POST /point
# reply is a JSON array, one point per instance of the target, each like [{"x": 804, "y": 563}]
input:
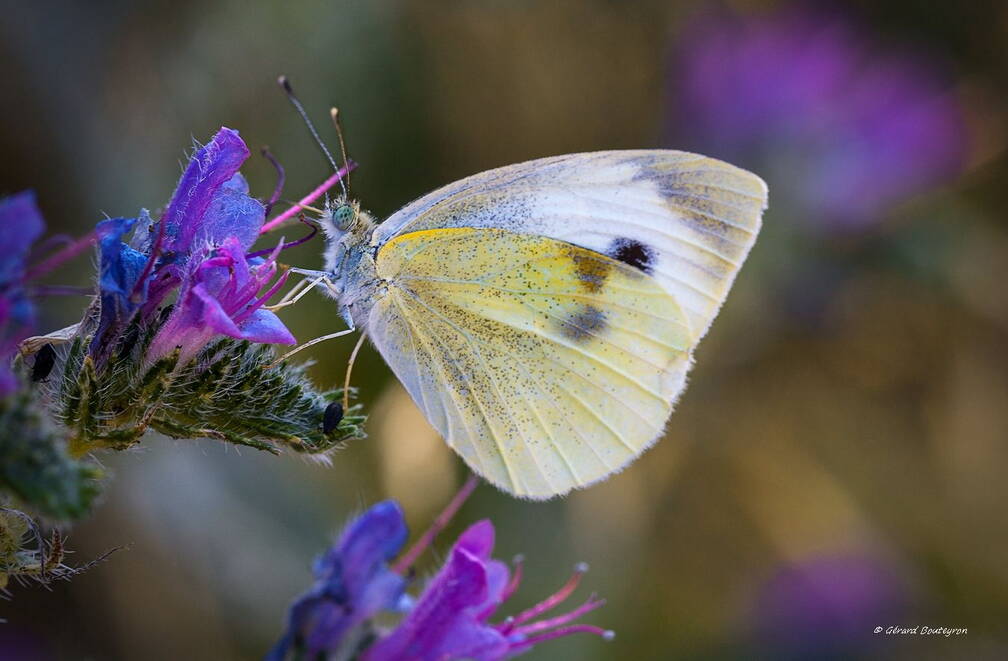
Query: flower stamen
[
  {"x": 512, "y": 586},
  {"x": 605, "y": 634},
  {"x": 304, "y": 239},
  {"x": 281, "y": 178},
  {"x": 544, "y": 625},
  {"x": 554, "y": 600}
]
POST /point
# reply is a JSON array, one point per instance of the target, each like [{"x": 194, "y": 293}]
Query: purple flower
[
  {"x": 451, "y": 619},
  {"x": 20, "y": 225},
  {"x": 842, "y": 131},
  {"x": 220, "y": 295},
  {"x": 200, "y": 247},
  {"x": 827, "y": 605},
  {"x": 353, "y": 583},
  {"x": 211, "y": 203}
]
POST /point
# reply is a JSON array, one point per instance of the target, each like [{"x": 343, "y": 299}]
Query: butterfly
[{"x": 543, "y": 316}]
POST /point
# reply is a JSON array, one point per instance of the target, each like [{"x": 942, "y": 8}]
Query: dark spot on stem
[
  {"x": 331, "y": 418},
  {"x": 45, "y": 358}
]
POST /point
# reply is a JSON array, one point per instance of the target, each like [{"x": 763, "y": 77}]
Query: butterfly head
[
  {"x": 340, "y": 217},
  {"x": 347, "y": 228}
]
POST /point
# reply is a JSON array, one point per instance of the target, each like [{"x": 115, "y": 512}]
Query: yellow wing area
[
  {"x": 688, "y": 220},
  {"x": 545, "y": 365}
]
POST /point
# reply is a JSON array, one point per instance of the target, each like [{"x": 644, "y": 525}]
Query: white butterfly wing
[
  {"x": 697, "y": 217},
  {"x": 543, "y": 315}
]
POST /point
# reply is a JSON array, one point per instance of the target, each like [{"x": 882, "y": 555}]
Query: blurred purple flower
[
  {"x": 827, "y": 605},
  {"x": 199, "y": 246},
  {"x": 841, "y": 130},
  {"x": 451, "y": 618},
  {"x": 353, "y": 583},
  {"x": 20, "y": 225}
]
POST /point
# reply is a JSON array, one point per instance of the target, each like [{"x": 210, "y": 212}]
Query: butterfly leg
[
  {"x": 296, "y": 293},
  {"x": 310, "y": 343},
  {"x": 313, "y": 273},
  {"x": 344, "y": 312}
]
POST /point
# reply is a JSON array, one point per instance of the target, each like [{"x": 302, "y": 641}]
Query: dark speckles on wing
[
  {"x": 583, "y": 323},
  {"x": 633, "y": 253},
  {"x": 718, "y": 203}
]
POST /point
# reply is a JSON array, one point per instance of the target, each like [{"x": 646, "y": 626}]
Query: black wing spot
[
  {"x": 633, "y": 253},
  {"x": 584, "y": 323},
  {"x": 331, "y": 418}
]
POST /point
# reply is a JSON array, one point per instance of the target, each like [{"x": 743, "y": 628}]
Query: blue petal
[
  {"x": 264, "y": 327},
  {"x": 373, "y": 538},
  {"x": 143, "y": 237},
  {"x": 210, "y": 169},
  {"x": 231, "y": 213},
  {"x": 121, "y": 265},
  {"x": 121, "y": 268},
  {"x": 353, "y": 584}
]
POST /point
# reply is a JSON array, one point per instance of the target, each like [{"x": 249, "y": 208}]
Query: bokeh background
[{"x": 838, "y": 460}]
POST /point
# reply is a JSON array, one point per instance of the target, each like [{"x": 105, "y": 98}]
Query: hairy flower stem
[{"x": 227, "y": 392}]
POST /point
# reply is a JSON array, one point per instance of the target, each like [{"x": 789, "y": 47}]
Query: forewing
[
  {"x": 547, "y": 366},
  {"x": 686, "y": 219}
]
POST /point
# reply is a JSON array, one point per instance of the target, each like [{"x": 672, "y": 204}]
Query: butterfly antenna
[
  {"x": 289, "y": 91},
  {"x": 334, "y": 113}
]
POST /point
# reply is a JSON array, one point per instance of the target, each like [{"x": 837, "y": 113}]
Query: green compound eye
[{"x": 343, "y": 216}]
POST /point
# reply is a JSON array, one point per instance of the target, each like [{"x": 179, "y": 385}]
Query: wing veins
[
  {"x": 436, "y": 359},
  {"x": 553, "y": 340},
  {"x": 475, "y": 345},
  {"x": 574, "y": 295},
  {"x": 567, "y": 369}
]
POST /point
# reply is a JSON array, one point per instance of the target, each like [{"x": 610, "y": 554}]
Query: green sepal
[
  {"x": 233, "y": 391},
  {"x": 35, "y": 466}
]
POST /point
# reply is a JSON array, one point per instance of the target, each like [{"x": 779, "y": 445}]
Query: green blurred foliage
[{"x": 876, "y": 427}]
